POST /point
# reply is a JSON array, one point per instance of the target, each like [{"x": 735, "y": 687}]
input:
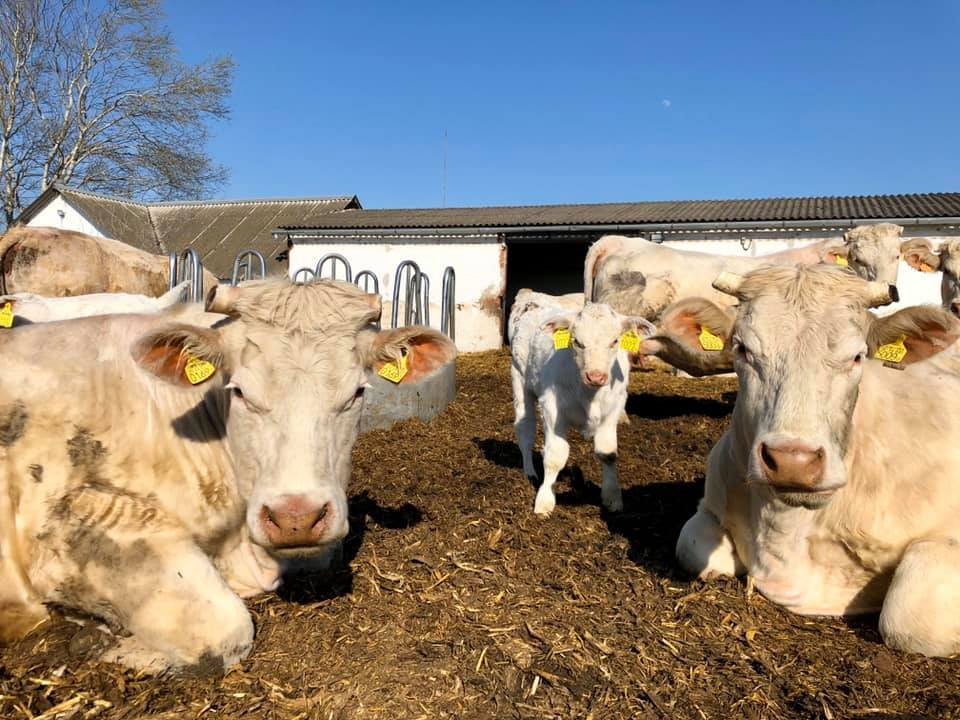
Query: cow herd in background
[{"x": 158, "y": 457}]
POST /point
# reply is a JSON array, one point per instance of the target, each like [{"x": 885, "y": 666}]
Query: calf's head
[
  {"x": 291, "y": 365},
  {"x": 596, "y": 333},
  {"x": 800, "y": 342}
]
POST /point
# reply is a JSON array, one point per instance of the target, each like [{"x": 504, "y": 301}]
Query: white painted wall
[
  {"x": 477, "y": 265},
  {"x": 71, "y": 220},
  {"x": 915, "y": 288}
]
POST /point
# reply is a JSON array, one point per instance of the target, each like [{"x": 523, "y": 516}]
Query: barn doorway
[{"x": 545, "y": 263}]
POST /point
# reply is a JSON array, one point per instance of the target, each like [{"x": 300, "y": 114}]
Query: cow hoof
[
  {"x": 613, "y": 505},
  {"x": 544, "y": 504}
]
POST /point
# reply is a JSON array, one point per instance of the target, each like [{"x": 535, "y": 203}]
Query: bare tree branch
[{"x": 92, "y": 93}]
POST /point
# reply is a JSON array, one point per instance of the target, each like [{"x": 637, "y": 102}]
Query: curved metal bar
[
  {"x": 172, "y": 259},
  {"x": 334, "y": 258},
  {"x": 448, "y": 304},
  {"x": 309, "y": 275},
  {"x": 367, "y": 276},
  {"x": 412, "y": 288},
  {"x": 191, "y": 268},
  {"x": 243, "y": 262},
  {"x": 423, "y": 302}
]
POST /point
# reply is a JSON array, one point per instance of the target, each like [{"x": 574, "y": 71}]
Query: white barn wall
[
  {"x": 48, "y": 216},
  {"x": 480, "y": 279}
]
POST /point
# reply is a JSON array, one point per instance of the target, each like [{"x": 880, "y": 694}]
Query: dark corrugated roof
[
  {"x": 217, "y": 229},
  {"x": 864, "y": 207}
]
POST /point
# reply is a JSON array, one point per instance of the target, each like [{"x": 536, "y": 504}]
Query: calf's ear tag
[
  {"x": 842, "y": 261},
  {"x": 394, "y": 370},
  {"x": 709, "y": 341},
  {"x": 893, "y": 352},
  {"x": 630, "y": 341},
  {"x": 198, "y": 370},
  {"x": 561, "y": 339},
  {"x": 6, "y": 315}
]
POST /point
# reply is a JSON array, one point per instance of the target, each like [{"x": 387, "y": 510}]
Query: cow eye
[
  {"x": 360, "y": 391},
  {"x": 236, "y": 391},
  {"x": 858, "y": 358},
  {"x": 578, "y": 343}
]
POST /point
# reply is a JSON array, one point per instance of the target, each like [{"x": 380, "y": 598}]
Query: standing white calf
[{"x": 580, "y": 385}]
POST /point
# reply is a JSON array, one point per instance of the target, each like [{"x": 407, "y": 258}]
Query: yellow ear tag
[
  {"x": 6, "y": 316},
  {"x": 630, "y": 341},
  {"x": 841, "y": 260},
  {"x": 709, "y": 341},
  {"x": 892, "y": 352},
  {"x": 394, "y": 370},
  {"x": 198, "y": 370},
  {"x": 561, "y": 339}
]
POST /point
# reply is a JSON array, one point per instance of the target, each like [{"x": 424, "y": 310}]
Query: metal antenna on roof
[{"x": 444, "y": 202}]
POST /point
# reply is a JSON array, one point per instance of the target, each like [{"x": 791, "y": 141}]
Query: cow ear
[
  {"x": 182, "y": 355},
  {"x": 923, "y": 331},
  {"x": 420, "y": 351},
  {"x": 837, "y": 255},
  {"x": 642, "y": 326},
  {"x": 693, "y": 335},
  {"x": 560, "y": 321},
  {"x": 918, "y": 253}
]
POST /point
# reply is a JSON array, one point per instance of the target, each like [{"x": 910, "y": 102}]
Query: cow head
[
  {"x": 291, "y": 367},
  {"x": 595, "y": 339},
  {"x": 800, "y": 341},
  {"x": 919, "y": 254},
  {"x": 872, "y": 251},
  {"x": 692, "y": 336}
]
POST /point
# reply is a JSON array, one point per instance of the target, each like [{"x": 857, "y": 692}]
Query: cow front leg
[
  {"x": 556, "y": 450},
  {"x": 125, "y": 560},
  {"x": 919, "y": 611},
  {"x": 705, "y": 549},
  {"x": 605, "y": 448}
]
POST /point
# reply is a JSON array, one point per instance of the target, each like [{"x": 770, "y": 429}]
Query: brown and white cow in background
[
  {"x": 639, "y": 277},
  {"x": 835, "y": 486},
  {"x": 58, "y": 263},
  {"x": 919, "y": 254},
  {"x": 130, "y": 492}
]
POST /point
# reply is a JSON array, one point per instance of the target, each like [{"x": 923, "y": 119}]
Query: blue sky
[{"x": 556, "y": 102}]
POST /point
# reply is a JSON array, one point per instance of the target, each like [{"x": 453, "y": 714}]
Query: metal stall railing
[
  {"x": 187, "y": 267},
  {"x": 308, "y": 275},
  {"x": 369, "y": 278},
  {"x": 413, "y": 297},
  {"x": 243, "y": 267},
  {"x": 448, "y": 305},
  {"x": 333, "y": 259}
]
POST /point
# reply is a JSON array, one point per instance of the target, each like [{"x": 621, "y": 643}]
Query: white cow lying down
[
  {"x": 30, "y": 308},
  {"x": 835, "y": 485},
  {"x": 156, "y": 468},
  {"x": 582, "y": 386}
]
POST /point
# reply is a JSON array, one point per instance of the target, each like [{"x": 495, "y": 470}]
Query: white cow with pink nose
[
  {"x": 835, "y": 486},
  {"x": 576, "y": 365}
]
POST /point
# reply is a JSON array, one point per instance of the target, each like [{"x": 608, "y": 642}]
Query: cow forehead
[
  {"x": 596, "y": 320},
  {"x": 295, "y": 358}
]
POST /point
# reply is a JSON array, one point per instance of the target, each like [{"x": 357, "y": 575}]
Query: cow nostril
[
  {"x": 767, "y": 457},
  {"x": 322, "y": 513}
]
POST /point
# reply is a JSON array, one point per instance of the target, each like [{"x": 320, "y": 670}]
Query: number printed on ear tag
[
  {"x": 6, "y": 316},
  {"x": 394, "y": 370},
  {"x": 630, "y": 341},
  {"x": 709, "y": 341},
  {"x": 892, "y": 352},
  {"x": 841, "y": 260},
  {"x": 561, "y": 339},
  {"x": 198, "y": 370}
]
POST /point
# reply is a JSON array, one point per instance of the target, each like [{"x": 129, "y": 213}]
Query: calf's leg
[
  {"x": 605, "y": 448},
  {"x": 556, "y": 450},
  {"x": 919, "y": 611},
  {"x": 525, "y": 422},
  {"x": 705, "y": 549}
]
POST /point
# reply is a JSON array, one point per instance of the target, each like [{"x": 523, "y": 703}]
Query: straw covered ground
[{"x": 456, "y": 601}]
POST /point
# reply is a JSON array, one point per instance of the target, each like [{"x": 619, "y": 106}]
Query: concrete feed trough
[{"x": 386, "y": 403}]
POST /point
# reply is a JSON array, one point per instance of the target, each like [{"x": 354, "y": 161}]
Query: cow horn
[
  {"x": 221, "y": 299},
  {"x": 880, "y": 293},
  {"x": 729, "y": 283}
]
